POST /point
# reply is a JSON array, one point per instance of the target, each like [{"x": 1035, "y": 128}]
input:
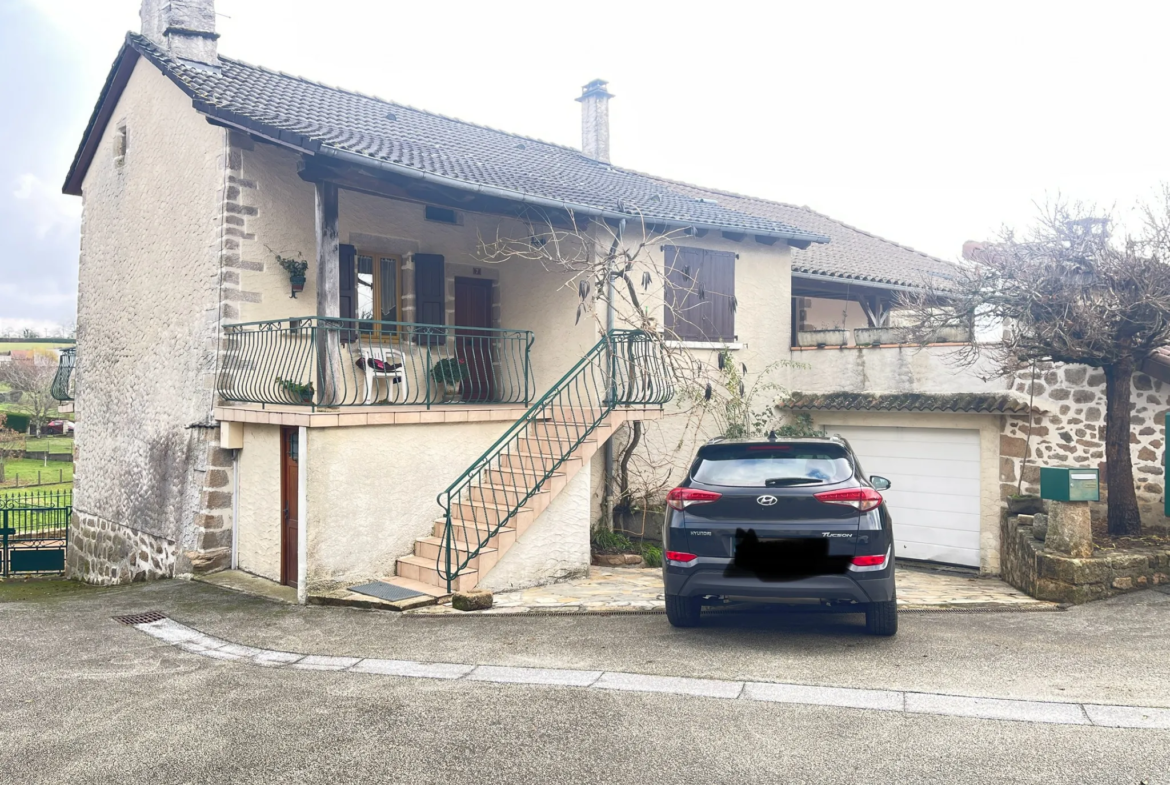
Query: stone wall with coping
[
  {"x": 1047, "y": 575},
  {"x": 152, "y": 486},
  {"x": 1069, "y": 430}
]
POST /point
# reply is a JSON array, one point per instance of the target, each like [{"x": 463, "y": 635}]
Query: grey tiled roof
[
  {"x": 385, "y": 131},
  {"x": 320, "y": 118},
  {"x": 850, "y": 253},
  {"x": 905, "y": 402}
]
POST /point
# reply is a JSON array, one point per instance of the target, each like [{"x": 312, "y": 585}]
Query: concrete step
[{"x": 423, "y": 570}]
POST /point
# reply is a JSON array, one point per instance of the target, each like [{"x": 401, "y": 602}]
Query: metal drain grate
[{"x": 140, "y": 618}]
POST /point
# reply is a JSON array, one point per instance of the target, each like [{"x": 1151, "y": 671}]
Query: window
[
  {"x": 700, "y": 294},
  {"x": 772, "y": 465},
  {"x": 121, "y": 144},
  {"x": 442, "y": 214},
  {"x": 379, "y": 292}
]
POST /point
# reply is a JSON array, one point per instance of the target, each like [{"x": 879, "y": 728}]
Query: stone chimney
[
  {"x": 595, "y": 120},
  {"x": 184, "y": 28}
]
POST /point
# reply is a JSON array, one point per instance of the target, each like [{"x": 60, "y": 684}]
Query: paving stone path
[
  {"x": 898, "y": 701},
  {"x": 616, "y": 589}
]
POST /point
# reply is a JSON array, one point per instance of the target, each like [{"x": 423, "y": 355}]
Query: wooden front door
[
  {"x": 289, "y": 474},
  {"x": 473, "y": 308}
]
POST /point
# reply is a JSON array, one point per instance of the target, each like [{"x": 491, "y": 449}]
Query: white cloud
[
  {"x": 44, "y": 327},
  {"x": 48, "y": 210}
]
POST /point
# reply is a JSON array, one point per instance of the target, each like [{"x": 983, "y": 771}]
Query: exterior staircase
[{"x": 622, "y": 378}]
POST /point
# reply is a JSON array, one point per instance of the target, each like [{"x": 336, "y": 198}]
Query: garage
[{"x": 934, "y": 500}]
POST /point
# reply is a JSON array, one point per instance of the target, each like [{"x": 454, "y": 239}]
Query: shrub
[{"x": 18, "y": 422}]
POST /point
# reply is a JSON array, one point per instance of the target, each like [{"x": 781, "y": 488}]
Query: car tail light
[
  {"x": 870, "y": 561},
  {"x": 679, "y": 556},
  {"x": 863, "y": 499},
  {"x": 681, "y": 498}
]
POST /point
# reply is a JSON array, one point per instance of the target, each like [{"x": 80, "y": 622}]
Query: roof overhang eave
[
  {"x": 793, "y": 238},
  {"x": 868, "y": 283}
]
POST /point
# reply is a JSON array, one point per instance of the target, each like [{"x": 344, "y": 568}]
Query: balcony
[
  {"x": 62, "y": 387},
  {"x": 865, "y": 337},
  {"x": 314, "y": 362}
]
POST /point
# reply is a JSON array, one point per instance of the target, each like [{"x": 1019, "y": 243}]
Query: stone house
[{"x": 294, "y": 358}]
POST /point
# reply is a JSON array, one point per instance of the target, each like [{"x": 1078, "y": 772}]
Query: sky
[{"x": 926, "y": 123}]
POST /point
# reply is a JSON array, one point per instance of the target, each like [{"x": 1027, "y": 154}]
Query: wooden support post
[{"x": 328, "y": 297}]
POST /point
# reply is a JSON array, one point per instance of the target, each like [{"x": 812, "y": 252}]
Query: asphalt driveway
[{"x": 84, "y": 699}]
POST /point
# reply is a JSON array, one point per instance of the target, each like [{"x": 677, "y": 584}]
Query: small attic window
[
  {"x": 121, "y": 144},
  {"x": 707, "y": 201},
  {"x": 443, "y": 215}
]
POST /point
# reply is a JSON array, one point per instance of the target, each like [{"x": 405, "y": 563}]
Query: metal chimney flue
[{"x": 595, "y": 120}]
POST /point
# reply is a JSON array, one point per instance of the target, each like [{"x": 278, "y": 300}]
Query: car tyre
[
  {"x": 881, "y": 618},
  {"x": 683, "y": 611}
]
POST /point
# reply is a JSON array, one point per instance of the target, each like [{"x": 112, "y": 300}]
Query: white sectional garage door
[{"x": 934, "y": 500}]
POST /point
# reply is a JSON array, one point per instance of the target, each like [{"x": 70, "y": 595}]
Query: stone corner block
[{"x": 472, "y": 600}]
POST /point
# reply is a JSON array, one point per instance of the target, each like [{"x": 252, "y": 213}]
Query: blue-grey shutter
[
  {"x": 430, "y": 304},
  {"x": 347, "y": 289}
]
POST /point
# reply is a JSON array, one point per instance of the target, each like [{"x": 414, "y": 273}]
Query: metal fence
[
  {"x": 351, "y": 362},
  {"x": 34, "y": 532}
]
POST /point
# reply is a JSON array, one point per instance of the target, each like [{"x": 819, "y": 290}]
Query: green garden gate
[{"x": 34, "y": 532}]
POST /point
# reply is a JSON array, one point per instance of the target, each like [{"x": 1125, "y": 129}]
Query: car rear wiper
[{"x": 777, "y": 481}]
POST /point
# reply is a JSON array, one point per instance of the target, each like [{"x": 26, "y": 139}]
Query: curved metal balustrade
[{"x": 322, "y": 362}]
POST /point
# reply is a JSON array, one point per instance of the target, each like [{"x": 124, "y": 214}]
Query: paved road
[{"x": 83, "y": 699}]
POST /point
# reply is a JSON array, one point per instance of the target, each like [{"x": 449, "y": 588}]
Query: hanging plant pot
[{"x": 298, "y": 283}]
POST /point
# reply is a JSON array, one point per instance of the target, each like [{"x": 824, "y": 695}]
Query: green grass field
[
  {"x": 7, "y": 346},
  {"x": 27, "y": 472},
  {"x": 55, "y": 444}
]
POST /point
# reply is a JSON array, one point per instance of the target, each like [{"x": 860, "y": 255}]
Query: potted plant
[
  {"x": 450, "y": 375},
  {"x": 299, "y": 393},
  {"x": 295, "y": 268}
]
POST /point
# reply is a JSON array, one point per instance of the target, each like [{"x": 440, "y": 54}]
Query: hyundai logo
[{"x": 767, "y": 501}]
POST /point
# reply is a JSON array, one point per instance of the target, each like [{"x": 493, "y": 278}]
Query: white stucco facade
[{"x": 147, "y": 301}]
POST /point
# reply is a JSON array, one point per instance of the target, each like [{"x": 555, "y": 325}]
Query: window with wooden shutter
[
  {"x": 429, "y": 294},
  {"x": 700, "y": 294}
]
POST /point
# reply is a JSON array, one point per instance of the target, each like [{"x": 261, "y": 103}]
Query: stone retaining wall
[
  {"x": 1047, "y": 575},
  {"x": 107, "y": 553}
]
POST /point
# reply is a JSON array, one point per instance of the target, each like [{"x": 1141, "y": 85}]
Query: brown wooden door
[
  {"x": 289, "y": 474},
  {"x": 473, "y": 308}
]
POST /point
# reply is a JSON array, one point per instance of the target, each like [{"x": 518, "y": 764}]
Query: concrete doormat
[
  {"x": 639, "y": 590},
  {"x": 904, "y": 702}
]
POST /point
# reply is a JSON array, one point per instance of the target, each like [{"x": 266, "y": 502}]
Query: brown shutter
[
  {"x": 429, "y": 290},
  {"x": 719, "y": 282},
  {"x": 685, "y": 307},
  {"x": 347, "y": 289}
]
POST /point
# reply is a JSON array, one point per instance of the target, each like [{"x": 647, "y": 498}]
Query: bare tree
[
  {"x": 33, "y": 377},
  {"x": 619, "y": 283},
  {"x": 1073, "y": 290}
]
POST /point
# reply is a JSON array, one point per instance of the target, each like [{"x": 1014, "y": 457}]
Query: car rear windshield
[{"x": 772, "y": 465}]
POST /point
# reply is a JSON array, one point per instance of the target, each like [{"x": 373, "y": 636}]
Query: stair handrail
[{"x": 632, "y": 372}]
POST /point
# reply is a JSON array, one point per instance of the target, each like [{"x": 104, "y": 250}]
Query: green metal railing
[
  {"x": 34, "y": 531},
  {"x": 624, "y": 368},
  {"x": 61, "y": 388},
  {"x": 351, "y": 362}
]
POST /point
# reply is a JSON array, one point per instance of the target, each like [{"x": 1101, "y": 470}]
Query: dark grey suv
[{"x": 776, "y": 520}]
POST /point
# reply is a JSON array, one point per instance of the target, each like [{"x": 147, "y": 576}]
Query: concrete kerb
[{"x": 193, "y": 641}]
